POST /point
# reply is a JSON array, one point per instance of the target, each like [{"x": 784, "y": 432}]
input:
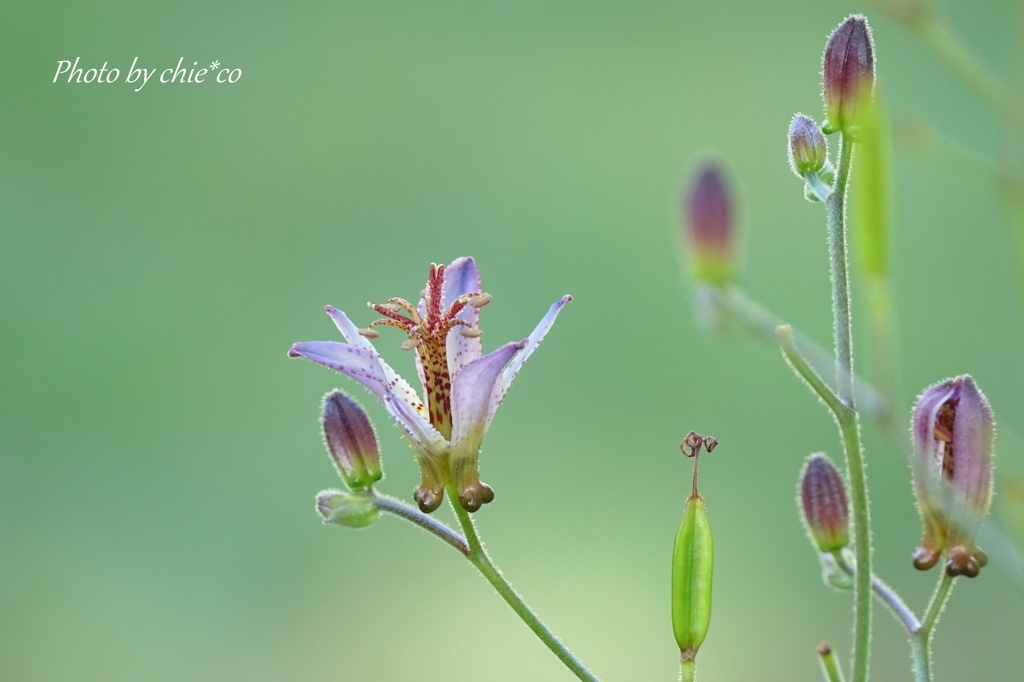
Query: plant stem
[
  {"x": 479, "y": 558},
  {"x": 833, "y": 673},
  {"x": 921, "y": 642},
  {"x": 848, "y": 420},
  {"x": 428, "y": 523},
  {"x": 764, "y": 324},
  {"x": 887, "y": 595}
]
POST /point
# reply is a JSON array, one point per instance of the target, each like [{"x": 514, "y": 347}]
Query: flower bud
[
  {"x": 808, "y": 149},
  {"x": 355, "y": 510},
  {"x": 953, "y": 438},
  {"x": 709, "y": 223},
  {"x": 849, "y": 72},
  {"x": 824, "y": 503},
  {"x": 692, "y": 563},
  {"x": 350, "y": 441}
]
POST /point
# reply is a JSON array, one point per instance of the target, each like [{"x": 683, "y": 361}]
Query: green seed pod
[{"x": 692, "y": 563}]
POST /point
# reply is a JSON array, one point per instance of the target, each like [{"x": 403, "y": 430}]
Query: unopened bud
[
  {"x": 808, "y": 149},
  {"x": 824, "y": 503},
  {"x": 709, "y": 226},
  {"x": 953, "y": 439},
  {"x": 351, "y": 441},
  {"x": 849, "y": 72},
  {"x": 355, "y": 510}
]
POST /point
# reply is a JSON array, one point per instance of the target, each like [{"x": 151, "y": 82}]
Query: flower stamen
[{"x": 428, "y": 327}]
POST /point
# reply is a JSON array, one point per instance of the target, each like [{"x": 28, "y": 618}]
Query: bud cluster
[{"x": 848, "y": 84}]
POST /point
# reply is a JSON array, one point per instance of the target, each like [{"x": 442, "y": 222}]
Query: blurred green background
[{"x": 160, "y": 251}]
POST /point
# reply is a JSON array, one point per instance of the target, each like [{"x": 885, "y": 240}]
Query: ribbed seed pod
[{"x": 692, "y": 563}]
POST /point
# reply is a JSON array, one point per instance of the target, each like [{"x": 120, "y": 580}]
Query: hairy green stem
[
  {"x": 763, "y": 324},
  {"x": 479, "y": 558},
  {"x": 830, "y": 663},
  {"x": 428, "y": 523},
  {"x": 472, "y": 548},
  {"x": 849, "y": 424},
  {"x": 921, "y": 642},
  {"x": 886, "y": 595}
]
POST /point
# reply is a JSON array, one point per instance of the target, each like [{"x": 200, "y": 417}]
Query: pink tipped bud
[
  {"x": 710, "y": 231},
  {"x": 824, "y": 502},
  {"x": 953, "y": 439},
  {"x": 351, "y": 441},
  {"x": 849, "y": 72},
  {"x": 808, "y": 149}
]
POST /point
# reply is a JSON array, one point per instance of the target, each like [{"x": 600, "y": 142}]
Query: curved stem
[
  {"x": 887, "y": 595},
  {"x": 848, "y": 420},
  {"x": 921, "y": 643},
  {"x": 937, "y": 603},
  {"x": 764, "y": 324},
  {"x": 479, "y": 558},
  {"x": 429, "y": 523}
]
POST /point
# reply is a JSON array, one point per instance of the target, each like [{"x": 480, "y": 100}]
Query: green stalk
[
  {"x": 849, "y": 424},
  {"x": 479, "y": 558},
  {"x": 473, "y": 549},
  {"x": 886, "y": 595},
  {"x": 921, "y": 642},
  {"x": 829, "y": 663}
]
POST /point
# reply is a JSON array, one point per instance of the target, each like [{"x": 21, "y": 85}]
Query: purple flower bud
[
  {"x": 709, "y": 222},
  {"x": 351, "y": 441},
  {"x": 953, "y": 437},
  {"x": 355, "y": 510},
  {"x": 824, "y": 502},
  {"x": 849, "y": 72},
  {"x": 808, "y": 150}
]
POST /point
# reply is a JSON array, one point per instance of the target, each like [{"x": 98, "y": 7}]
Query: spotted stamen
[{"x": 428, "y": 327}]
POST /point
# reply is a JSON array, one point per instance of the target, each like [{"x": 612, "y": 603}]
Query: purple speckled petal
[
  {"x": 532, "y": 342},
  {"x": 471, "y": 392},
  {"x": 366, "y": 366},
  {"x": 462, "y": 277}
]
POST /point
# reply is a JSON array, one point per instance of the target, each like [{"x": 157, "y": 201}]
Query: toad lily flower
[
  {"x": 953, "y": 436},
  {"x": 462, "y": 387}
]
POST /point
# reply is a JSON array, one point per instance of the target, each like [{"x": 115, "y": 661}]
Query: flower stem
[
  {"x": 921, "y": 643},
  {"x": 687, "y": 671},
  {"x": 479, "y": 558},
  {"x": 833, "y": 673},
  {"x": 887, "y": 595},
  {"x": 763, "y": 323},
  {"x": 428, "y": 523},
  {"x": 848, "y": 420}
]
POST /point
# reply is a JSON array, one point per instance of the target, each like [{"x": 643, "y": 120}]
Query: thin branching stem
[
  {"x": 921, "y": 642},
  {"x": 849, "y": 425},
  {"x": 428, "y": 523},
  {"x": 479, "y": 558},
  {"x": 472, "y": 548},
  {"x": 886, "y": 595}
]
